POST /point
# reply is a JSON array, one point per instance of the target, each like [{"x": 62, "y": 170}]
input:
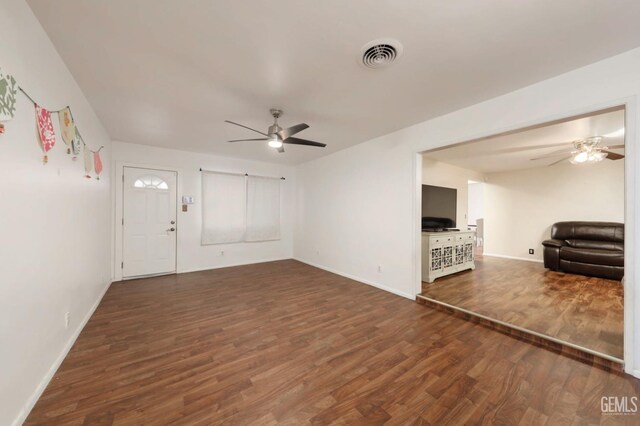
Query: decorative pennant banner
[
  {"x": 44, "y": 125},
  {"x": 97, "y": 162},
  {"x": 76, "y": 144},
  {"x": 8, "y": 91},
  {"x": 88, "y": 163},
  {"x": 67, "y": 127},
  {"x": 45, "y": 131}
]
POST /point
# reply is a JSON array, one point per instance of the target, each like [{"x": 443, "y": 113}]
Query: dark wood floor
[
  {"x": 585, "y": 311},
  {"x": 287, "y": 343}
]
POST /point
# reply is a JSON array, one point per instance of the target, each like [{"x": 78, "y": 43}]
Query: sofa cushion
[
  {"x": 591, "y": 270},
  {"x": 599, "y": 231},
  {"x": 594, "y": 256},
  {"x": 593, "y": 244}
]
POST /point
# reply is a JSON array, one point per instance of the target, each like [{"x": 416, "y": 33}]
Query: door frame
[
  {"x": 631, "y": 216},
  {"x": 118, "y": 213}
]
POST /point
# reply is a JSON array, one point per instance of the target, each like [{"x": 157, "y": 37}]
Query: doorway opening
[{"x": 545, "y": 209}]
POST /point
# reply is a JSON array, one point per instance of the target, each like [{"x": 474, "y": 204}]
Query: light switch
[{"x": 187, "y": 199}]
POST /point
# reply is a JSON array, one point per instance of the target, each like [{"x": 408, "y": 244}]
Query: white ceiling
[
  {"x": 516, "y": 150},
  {"x": 168, "y": 73}
]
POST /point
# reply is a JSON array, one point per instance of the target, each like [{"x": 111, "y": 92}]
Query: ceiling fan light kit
[
  {"x": 587, "y": 157},
  {"x": 275, "y": 142},
  {"x": 276, "y": 136},
  {"x": 587, "y": 151}
]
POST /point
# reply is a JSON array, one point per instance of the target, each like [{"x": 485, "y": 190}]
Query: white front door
[{"x": 149, "y": 222}]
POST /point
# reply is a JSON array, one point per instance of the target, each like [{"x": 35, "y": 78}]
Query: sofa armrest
[
  {"x": 554, "y": 243},
  {"x": 551, "y": 253}
]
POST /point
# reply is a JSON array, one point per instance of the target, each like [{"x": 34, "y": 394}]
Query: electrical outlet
[
  {"x": 221, "y": 252},
  {"x": 318, "y": 252},
  {"x": 67, "y": 319},
  {"x": 379, "y": 268},
  {"x": 530, "y": 251}
]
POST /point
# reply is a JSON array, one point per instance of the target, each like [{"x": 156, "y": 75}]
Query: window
[
  {"x": 263, "y": 209},
  {"x": 238, "y": 208},
  {"x": 224, "y": 201},
  {"x": 150, "y": 182}
]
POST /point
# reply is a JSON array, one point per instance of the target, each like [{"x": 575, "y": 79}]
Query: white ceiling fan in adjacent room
[
  {"x": 586, "y": 151},
  {"x": 277, "y": 136}
]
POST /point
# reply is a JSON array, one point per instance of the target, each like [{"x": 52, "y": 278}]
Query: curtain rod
[{"x": 238, "y": 174}]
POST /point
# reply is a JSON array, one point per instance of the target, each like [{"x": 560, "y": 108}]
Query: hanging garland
[
  {"x": 8, "y": 92},
  {"x": 45, "y": 131},
  {"x": 75, "y": 145},
  {"x": 97, "y": 162},
  {"x": 67, "y": 127},
  {"x": 44, "y": 124}
]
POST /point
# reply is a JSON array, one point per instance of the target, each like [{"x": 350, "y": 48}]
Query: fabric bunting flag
[
  {"x": 97, "y": 162},
  {"x": 76, "y": 143},
  {"x": 45, "y": 130},
  {"x": 67, "y": 127},
  {"x": 88, "y": 161},
  {"x": 8, "y": 91}
]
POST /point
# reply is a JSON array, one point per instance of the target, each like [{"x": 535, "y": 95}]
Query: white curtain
[
  {"x": 224, "y": 202},
  {"x": 263, "y": 209}
]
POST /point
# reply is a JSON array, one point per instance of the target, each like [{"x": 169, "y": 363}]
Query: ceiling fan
[
  {"x": 277, "y": 136},
  {"x": 585, "y": 151}
]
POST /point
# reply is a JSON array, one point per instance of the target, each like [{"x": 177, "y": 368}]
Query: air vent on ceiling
[{"x": 380, "y": 53}]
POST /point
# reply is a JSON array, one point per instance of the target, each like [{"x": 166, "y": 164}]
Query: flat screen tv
[{"x": 439, "y": 206}]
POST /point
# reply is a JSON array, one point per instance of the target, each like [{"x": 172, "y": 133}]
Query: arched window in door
[{"x": 150, "y": 182}]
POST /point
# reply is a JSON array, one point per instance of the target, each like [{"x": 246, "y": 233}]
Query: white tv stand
[{"x": 445, "y": 253}]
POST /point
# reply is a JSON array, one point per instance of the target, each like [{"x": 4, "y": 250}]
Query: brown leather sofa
[{"x": 587, "y": 248}]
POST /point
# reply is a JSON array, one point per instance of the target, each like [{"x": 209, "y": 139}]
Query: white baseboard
[
  {"x": 359, "y": 279},
  {"x": 31, "y": 402},
  {"x": 231, "y": 265},
  {"x": 512, "y": 257}
]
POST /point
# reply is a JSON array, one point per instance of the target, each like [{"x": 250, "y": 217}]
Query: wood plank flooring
[
  {"x": 585, "y": 311},
  {"x": 286, "y": 343}
]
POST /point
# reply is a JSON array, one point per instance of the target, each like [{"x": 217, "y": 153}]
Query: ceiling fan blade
[
  {"x": 243, "y": 140},
  {"x": 613, "y": 155},
  {"x": 281, "y": 149},
  {"x": 552, "y": 154},
  {"x": 249, "y": 128},
  {"x": 560, "y": 161},
  {"x": 296, "y": 141},
  {"x": 549, "y": 145},
  {"x": 287, "y": 133}
]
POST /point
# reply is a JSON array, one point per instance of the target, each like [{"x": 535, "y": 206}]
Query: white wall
[
  {"x": 522, "y": 205},
  {"x": 475, "y": 207},
  {"x": 192, "y": 255},
  {"x": 55, "y": 224},
  {"x": 442, "y": 174},
  {"x": 357, "y": 208}
]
